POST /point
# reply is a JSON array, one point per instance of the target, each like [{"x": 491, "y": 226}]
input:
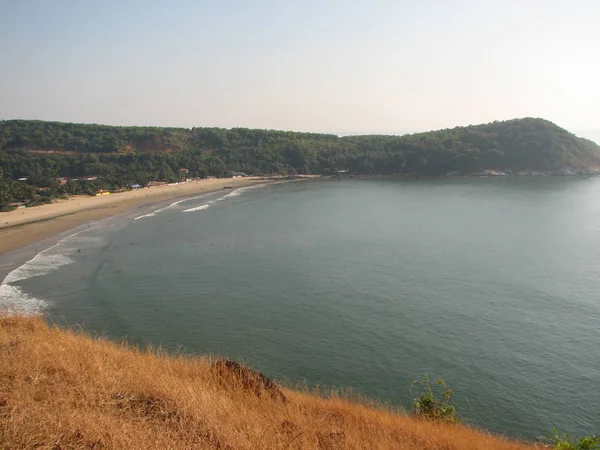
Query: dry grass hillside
[{"x": 63, "y": 390}]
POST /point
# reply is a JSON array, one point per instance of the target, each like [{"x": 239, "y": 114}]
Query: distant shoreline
[
  {"x": 23, "y": 227},
  {"x": 26, "y": 226},
  {"x": 533, "y": 174}
]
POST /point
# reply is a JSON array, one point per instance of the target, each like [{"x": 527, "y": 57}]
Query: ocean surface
[{"x": 490, "y": 283}]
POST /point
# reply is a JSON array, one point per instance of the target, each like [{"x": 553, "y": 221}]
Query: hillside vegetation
[
  {"x": 53, "y": 148},
  {"x": 60, "y": 390},
  {"x": 117, "y": 157}
]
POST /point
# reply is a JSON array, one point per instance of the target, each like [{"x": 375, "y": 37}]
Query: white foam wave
[
  {"x": 197, "y": 208},
  {"x": 145, "y": 215},
  {"x": 13, "y": 301},
  {"x": 178, "y": 202},
  {"x": 42, "y": 264},
  {"x": 239, "y": 191},
  {"x": 233, "y": 193},
  {"x": 154, "y": 213}
]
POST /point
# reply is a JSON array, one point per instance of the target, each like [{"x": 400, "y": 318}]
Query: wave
[
  {"x": 13, "y": 301},
  {"x": 12, "y": 298},
  {"x": 41, "y": 264},
  {"x": 233, "y": 193},
  {"x": 197, "y": 208},
  {"x": 181, "y": 201},
  {"x": 145, "y": 215},
  {"x": 153, "y": 213},
  {"x": 164, "y": 208},
  {"x": 239, "y": 191}
]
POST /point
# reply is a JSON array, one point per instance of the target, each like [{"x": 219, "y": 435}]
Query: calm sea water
[{"x": 491, "y": 284}]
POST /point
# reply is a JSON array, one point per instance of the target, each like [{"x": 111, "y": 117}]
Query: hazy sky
[{"x": 343, "y": 67}]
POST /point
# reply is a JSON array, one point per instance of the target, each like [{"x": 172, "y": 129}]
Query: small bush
[
  {"x": 562, "y": 441},
  {"x": 434, "y": 405}
]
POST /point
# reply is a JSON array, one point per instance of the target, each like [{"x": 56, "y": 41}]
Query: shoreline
[{"x": 21, "y": 228}]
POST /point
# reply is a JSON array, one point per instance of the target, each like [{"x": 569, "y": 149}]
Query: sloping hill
[
  {"x": 514, "y": 145},
  {"x": 64, "y": 390},
  {"x": 36, "y": 148}
]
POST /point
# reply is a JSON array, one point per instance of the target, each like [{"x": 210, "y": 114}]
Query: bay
[{"x": 489, "y": 283}]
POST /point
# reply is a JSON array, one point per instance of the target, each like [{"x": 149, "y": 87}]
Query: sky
[{"x": 342, "y": 67}]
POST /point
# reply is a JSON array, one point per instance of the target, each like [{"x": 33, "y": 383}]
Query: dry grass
[{"x": 63, "y": 390}]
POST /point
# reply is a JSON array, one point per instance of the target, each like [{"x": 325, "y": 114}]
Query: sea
[{"x": 492, "y": 284}]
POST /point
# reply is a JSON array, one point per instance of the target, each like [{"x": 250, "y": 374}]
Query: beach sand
[{"x": 25, "y": 226}]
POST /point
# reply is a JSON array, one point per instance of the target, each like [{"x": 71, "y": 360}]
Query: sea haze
[{"x": 489, "y": 283}]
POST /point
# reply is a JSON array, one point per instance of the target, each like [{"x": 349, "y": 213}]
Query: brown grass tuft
[{"x": 65, "y": 390}]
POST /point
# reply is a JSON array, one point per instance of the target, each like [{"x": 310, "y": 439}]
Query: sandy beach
[{"x": 25, "y": 226}]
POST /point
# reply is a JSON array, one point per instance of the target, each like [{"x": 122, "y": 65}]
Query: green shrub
[
  {"x": 562, "y": 441},
  {"x": 433, "y": 402}
]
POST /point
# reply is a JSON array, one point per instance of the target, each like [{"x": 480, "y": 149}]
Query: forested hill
[{"x": 138, "y": 154}]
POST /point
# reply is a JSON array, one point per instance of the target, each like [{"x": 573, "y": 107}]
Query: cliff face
[{"x": 59, "y": 389}]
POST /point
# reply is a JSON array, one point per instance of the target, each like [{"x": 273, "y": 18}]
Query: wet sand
[{"x": 26, "y": 226}]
